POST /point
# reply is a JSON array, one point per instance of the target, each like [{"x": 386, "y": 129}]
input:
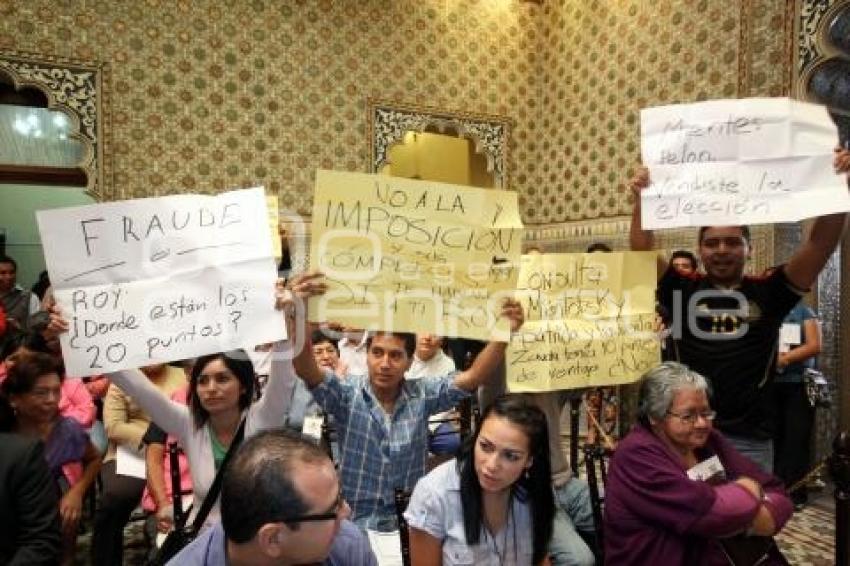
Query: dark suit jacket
[{"x": 29, "y": 504}]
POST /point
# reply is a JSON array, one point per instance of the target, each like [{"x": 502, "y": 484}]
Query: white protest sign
[
  {"x": 154, "y": 280},
  {"x": 731, "y": 162}
]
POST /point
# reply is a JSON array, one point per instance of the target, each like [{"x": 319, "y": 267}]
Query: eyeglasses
[
  {"x": 333, "y": 513},
  {"x": 691, "y": 418}
]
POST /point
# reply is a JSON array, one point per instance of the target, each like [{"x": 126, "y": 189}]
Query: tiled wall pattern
[
  {"x": 207, "y": 95},
  {"x": 604, "y": 61}
]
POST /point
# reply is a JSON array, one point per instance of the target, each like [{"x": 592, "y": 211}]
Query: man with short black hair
[
  {"x": 381, "y": 418},
  {"x": 730, "y": 325},
  {"x": 281, "y": 504},
  {"x": 17, "y": 302}
]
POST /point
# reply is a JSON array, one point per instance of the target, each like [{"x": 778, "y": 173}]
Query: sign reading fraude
[
  {"x": 734, "y": 162},
  {"x": 590, "y": 320},
  {"x": 414, "y": 256},
  {"x": 154, "y": 280}
]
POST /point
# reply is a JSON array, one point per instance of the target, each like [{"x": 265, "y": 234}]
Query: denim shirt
[
  {"x": 435, "y": 508},
  {"x": 350, "y": 548},
  {"x": 793, "y": 373}
]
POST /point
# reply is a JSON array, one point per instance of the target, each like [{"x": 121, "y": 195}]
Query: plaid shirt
[{"x": 379, "y": 452}]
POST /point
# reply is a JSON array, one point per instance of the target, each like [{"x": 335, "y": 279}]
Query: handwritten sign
[
  {"x": 414, "y": 256},
  {"x": 590, "y": 320},
  {"x": 731, "y": 162},
  {"x": 155, "y": 280}
]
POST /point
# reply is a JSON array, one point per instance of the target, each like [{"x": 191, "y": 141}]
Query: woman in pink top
[
  {"x": 158, "y": 495},
  {"x": 75, "y": 400}
]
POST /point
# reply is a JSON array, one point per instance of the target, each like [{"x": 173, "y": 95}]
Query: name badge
[
  {"x": 461, "y": 556},
  {"x": 312, "y": 426},
  {"x": 707, "y": 470},
  {"x": 790, "y": 334}
]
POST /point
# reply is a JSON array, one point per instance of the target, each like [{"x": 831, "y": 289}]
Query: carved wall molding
[
  {"x": 812, "y": 18},
  {"x": 570, "y": 237},
  {"x": 613, "y": 227},
  {"x": 577, "y": 236},
  {"x": 74, "y": 88},
  {"x": 811, "y": 14},
  {"x": 388, "y": 122}
]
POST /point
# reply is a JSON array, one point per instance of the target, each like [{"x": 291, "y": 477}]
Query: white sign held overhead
[
  {"x": 154, "y": 280},
  {"x": 731, "y": 162}
]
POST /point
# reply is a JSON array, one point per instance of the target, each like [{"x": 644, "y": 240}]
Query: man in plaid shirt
[{"x": 381, "y": 419}]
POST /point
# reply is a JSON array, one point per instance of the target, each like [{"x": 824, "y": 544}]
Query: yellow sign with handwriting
[
  {"x": 274, "y": 225},
  {"x": 590, "y": 320},
  {"x": 414, "y": 256}
]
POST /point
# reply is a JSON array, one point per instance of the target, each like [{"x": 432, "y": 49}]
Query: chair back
[
  {"x": 462, "y": 423},
  {"x": 595, "y": 457},
  {"x": 329, "y": 438},
  {"x": 575, "y": 412},
  {"x": 176, "y": 487},
  {"x": 469, "y": 415},
  {"x": 402, "y": 498}
]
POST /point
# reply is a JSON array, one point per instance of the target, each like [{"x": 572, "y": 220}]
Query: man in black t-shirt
[
  {"x": 725, "y": 325},
  {"x": 730, "y": 336}
]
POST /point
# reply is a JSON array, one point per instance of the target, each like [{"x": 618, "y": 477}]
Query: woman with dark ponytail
[{"x": 494, "y": 503}]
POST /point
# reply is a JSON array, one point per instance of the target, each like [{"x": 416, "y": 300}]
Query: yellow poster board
[
  {"x": 590, "y": 321},
  {"x": 407, "y": 255},
  {"x": 274, "y": 225}
]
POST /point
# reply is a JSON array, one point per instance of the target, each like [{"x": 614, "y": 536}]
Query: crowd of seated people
[
  {"x": 678, "y": 490},
  {"x": 505, "y": 512},
  {"x": 493, "y": 503},
  {"x": 126, "y": 422}
]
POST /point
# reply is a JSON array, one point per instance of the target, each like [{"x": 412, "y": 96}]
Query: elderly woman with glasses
[{"x": 678, "y": 491}]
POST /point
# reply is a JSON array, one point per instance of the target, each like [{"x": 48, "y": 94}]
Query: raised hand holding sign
[{"x": 154, "y": 280}]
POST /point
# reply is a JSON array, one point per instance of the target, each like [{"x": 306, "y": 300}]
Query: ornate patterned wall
[
  {"x": 207, "y": 95},
  {"x": 605, "y": 60}
]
